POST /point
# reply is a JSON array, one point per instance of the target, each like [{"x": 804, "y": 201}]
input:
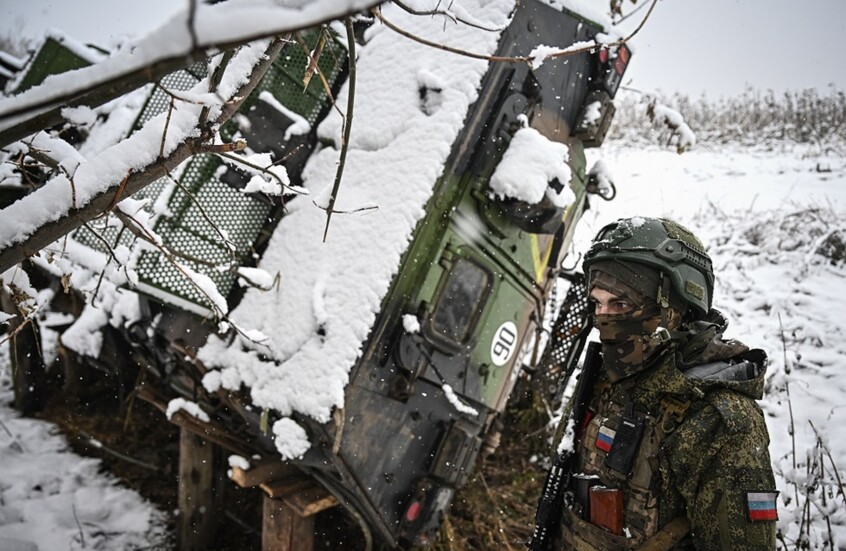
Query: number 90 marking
[{"x": 504, "y": 343}]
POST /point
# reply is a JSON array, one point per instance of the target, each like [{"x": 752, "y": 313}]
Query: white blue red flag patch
[
  {"x": 761, "y": 505},
  {"x": 605, "y": 439}
]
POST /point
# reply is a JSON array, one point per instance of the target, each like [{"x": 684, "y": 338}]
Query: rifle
[{"x": 548, "y": 515}]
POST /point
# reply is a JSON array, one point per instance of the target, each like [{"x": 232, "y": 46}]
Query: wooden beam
[
  {"x": 310, "y": 501},
  {"x": 208, "y": 430},
  {"x": 200, "y": 492},
  {"x": 262, "y": 473},
  {"x": 278, "y": 489},
  {"x": 285, "y": 530},
  {"x": 302, "y": 495}
]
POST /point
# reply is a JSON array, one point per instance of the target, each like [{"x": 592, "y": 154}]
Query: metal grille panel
[
  {"x": 570, "y": 325},
  {"x": 201, "y": 196}
]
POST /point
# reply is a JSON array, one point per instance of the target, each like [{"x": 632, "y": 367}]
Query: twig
[
  {"x": 642, "y": 22},
  {"x": 516, "y": 59},
  {"x": 353, "y": 211},
  {"x": 170, "y": 108},
  {"x": 134, "y": 227},
  {"x": 90, "y": 440},
  {"x": 631, "y": 13},
  {"x": 225, "y": 238},
  {"x": 824, "y": 508},
  {"x": 141, "y": 231},
  {"x": 119, "y": 192},
  {"x": 347, "y": 123},
  {"x": 111, "y": 256},
  {"x": 214, "y": 82},
  {"x": 130, "y": 400},
  {"x": 192, "y": 13},
  {"x": 324, "y": 82},
  {"x": 13, "y": 334},
  {"x": 792, "y": 428},
  {"x": 377, "y": 13},
  {"x": 78, "y": 525},
  {"x": 833, "y": 465},
  {"x": 313, "y": 57},
  {"x": 265, "y": 170},
  {"x": 454, "y": 18}
]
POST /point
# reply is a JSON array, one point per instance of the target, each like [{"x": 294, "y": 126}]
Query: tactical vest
[{"x": 609, "y": 458}]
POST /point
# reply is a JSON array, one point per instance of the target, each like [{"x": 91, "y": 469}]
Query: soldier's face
[{"x": 607, "y": 303}]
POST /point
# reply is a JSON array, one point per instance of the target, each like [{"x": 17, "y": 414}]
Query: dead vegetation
[{"x": 496, "y": 509}]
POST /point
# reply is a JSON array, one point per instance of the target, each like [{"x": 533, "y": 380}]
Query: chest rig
[{"x": 616, "y": 480}]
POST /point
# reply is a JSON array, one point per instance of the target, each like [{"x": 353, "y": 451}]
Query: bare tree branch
[
  {"x": 217, "y": 76},
  {"x": 323, "y": 80},
  {"x": 377, "y": 13},
  {"x": 26, "y": 117},
  {"x": 48, "y": 233},
  {"x": 451, "y": 16},
  {"x": 517, "y": 59},
  {"x": 347, "y": 125}
]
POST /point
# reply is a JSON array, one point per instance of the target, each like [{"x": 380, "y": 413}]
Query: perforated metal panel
[
  {"x": 178, "y": 81},
  {"x": 203, "y": 201},
  {"x": 157, "y": 103},
  {"x": 571, "y": 322}
]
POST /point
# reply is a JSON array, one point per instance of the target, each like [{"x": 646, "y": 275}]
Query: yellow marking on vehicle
[{"x": 540, "y": 263}]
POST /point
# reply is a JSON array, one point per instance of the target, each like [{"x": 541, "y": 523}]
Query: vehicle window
[{"x": 460, "y": 300}]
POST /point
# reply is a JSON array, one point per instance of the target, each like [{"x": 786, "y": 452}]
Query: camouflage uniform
[
  {"x": 683, "y": 399},
  {"x": 703, "y": 468}
]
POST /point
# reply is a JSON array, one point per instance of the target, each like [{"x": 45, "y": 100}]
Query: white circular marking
[{"x": 504, "y": 343}]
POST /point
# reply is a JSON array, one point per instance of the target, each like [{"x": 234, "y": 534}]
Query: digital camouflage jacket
[{"x": 700, "y": 451}]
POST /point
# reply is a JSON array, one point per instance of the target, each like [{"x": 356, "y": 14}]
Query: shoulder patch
[{"x": 761, "y": 506}]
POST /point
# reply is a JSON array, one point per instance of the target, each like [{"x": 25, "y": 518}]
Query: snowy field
[{"x": 764, "y": 216}]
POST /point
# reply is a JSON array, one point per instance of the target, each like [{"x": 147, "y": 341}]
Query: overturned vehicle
[{"x": 364, "y": 361}]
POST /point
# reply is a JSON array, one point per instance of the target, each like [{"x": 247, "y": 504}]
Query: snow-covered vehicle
[
  {"x": 394, "y": 413},
  {"x": 445, "y": 352}
]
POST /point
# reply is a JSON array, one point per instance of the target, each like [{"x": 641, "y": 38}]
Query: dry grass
[{"x": 496, "y": 509}]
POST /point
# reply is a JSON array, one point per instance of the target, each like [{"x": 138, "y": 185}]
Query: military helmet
[{"x": 664, "y": 245}]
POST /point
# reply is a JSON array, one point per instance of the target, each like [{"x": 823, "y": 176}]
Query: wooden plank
[
  {"x": 262, "y": 473},
  {"x": 277, "y": 489},
  {"x": 310, "y": 501},
  {"x": 302, "y": 495},
  {"x": 200, "y": 492},
  {"x": 283, "y": 529},
  {"x": 206, "y": 430}
]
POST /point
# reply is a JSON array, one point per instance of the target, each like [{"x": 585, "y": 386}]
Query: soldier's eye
[{"x": 622, "y": 305}]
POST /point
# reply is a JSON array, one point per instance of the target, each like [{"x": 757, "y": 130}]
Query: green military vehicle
[
  {"x": 470, "y": 292},
  {"x": 446, "y": 348}
]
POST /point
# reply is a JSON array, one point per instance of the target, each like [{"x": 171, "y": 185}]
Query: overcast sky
[{"x": 718, "y": 47}]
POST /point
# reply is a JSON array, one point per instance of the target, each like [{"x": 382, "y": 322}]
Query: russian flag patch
[
  {"x": 761, "y": 506},
  {"x": 605, "y": 439}
]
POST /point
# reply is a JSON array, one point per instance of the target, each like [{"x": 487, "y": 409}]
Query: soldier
[{"x": 672, "y": 450}]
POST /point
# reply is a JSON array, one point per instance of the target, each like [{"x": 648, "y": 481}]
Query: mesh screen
[
  {"x": 565, "y": 332},
  {"x": 201, "y": 197}
]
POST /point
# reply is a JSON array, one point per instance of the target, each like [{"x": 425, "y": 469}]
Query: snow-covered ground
[
  {"x": 763, "y": 215},
  {"x": 52, "y": 498}
]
